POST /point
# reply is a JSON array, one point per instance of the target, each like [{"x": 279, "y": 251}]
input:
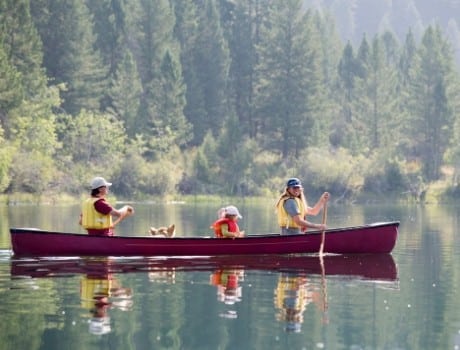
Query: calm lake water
[{"x": 407, "y": 300}]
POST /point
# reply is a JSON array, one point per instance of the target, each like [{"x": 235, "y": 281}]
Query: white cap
[
  {"x": 232, "y": 210},
  {"x": 99, "y": 182},
  {"x": 100, "y": 325}
]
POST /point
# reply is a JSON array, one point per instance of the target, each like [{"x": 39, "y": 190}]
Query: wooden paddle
[
  {"x": 323, "y": 270},
  {"x": 324, "y": 288},
  {"x": 126, "y": 211},
  {"x": 323, "y": 233}
]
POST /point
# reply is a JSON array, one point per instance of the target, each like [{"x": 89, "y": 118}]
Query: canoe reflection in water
[
  {"x": 292, "y": 295},
  {"x": 361, "y": 266},
  {"x": 99, "y": 291},
  {"x": 298, "y": 285}
]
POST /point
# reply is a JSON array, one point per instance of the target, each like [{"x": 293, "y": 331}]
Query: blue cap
[{"x": 294, "y": 182}]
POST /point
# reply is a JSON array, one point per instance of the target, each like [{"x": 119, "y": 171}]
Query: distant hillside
[{"x": 355, "y": 18}]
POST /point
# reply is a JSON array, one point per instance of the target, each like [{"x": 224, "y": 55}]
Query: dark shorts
[{"x": 104, "y": 232}]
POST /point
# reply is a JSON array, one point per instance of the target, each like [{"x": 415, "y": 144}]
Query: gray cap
[
  {"x": 99, "y": 182},
  {"x": 232, "y": 210}
]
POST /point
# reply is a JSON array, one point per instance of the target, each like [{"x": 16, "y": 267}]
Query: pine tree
[
  {"x": 22, "y": 44},
  {"x": 125, "y": 93},
  {"x": 170, "y": 123},
  {"x": 110, "y": 31},
  {"x": 432, "y": 94},
  {"x": 157, "y": 53},
  {"x": 110, "y": 37},
  {"x": 329, "y": 56},
  {"x": 210, "y": 67},
  {"x": 186, "y": 30},
  {"x": 376, "y": 102},
  {"x": 66, "y": 29},
  {"x": 289, "y": 76},
  {"x": 406, "y": 61},
  {"x": 21, "y": 75},
  {"x": 11, "y": 89},
  {"x": 347, "y": 75},
  {"x": 243, "y": 20}
]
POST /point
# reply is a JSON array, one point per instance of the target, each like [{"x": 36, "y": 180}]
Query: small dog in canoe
[{"x": 164, "y": 231}]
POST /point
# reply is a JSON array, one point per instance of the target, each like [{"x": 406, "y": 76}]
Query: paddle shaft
[
  {"x": 323, "y": 233},
  {"x": 323, "y": 269}
]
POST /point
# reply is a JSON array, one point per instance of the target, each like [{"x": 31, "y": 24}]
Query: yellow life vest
[
  {"x": 91, "y": 288},
  {"x": 91, "y": 218},
  {"x": 284, "y": 219},
  {"x": 293, "y": 289}
]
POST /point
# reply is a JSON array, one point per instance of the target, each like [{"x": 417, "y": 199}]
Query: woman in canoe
[
  {"x": 96, "y": 214},
  {"x": 292, "y": 209},
  {"x": 227, "y": 224}
]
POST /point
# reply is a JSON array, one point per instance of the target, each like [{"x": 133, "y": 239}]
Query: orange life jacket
[{"x": 217, "y": 226}]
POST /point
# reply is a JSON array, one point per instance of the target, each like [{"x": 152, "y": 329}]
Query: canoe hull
[{"x": 367, "y": 239}]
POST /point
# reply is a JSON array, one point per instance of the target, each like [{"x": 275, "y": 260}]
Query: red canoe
[{"x": 366, "y": 239}]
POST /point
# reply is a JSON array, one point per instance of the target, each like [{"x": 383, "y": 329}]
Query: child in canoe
[{"x": 227, "y": 224}]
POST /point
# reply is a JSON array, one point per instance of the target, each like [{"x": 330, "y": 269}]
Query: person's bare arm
[
  {"x": 307, "y": 224},
  {"x": 319, "y": 205},
  {"x": 227, "y": 233}
]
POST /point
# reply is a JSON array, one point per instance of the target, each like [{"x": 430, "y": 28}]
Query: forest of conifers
[{"x": 230, "y": 97}]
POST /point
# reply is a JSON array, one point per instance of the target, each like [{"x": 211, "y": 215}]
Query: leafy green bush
[{"x": 337, "y": 172}]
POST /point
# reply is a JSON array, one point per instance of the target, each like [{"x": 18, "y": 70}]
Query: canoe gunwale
[{"x": 20, "y": 230}]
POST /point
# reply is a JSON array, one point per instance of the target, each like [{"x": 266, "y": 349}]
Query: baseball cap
[
  {"x": 293, "y": 182},
  {"x": 232, "y": 210},
  {"x": 99, "y": 182}
]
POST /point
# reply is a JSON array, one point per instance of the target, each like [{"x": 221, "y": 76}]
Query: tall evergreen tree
[
  {"x": 110, "y": 36},
  {"x": 11, "y": 89},
  {"x": 404, "y": 70},
  {"x": 243, "y": 21},
  {"x": 5, "y": 162},
  {"x": 376, "y": 101},
  {"x": 125, "y": 93},
  {"x": 210, "y": 66},
  {"x": 169, "y": 101},
  {"x": 363, "y": 58},
  {"x": 110, "y": 30},
  {"x": 289, "y": 76},
  {"x": 70, "y": 57},
  {"x": 186, "y": 31},
  {"x": 406, "y": 60},
  {"x": 431, "y": 120},
  {"x": 331, "y": 47},
  {"x": 157, "y": 53},
  {"x": 347, "y": 73},
  {"x": 391, "y": 48},
  {"x": 21, "y": 74},
  {"x": 22, "y": 44}
]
